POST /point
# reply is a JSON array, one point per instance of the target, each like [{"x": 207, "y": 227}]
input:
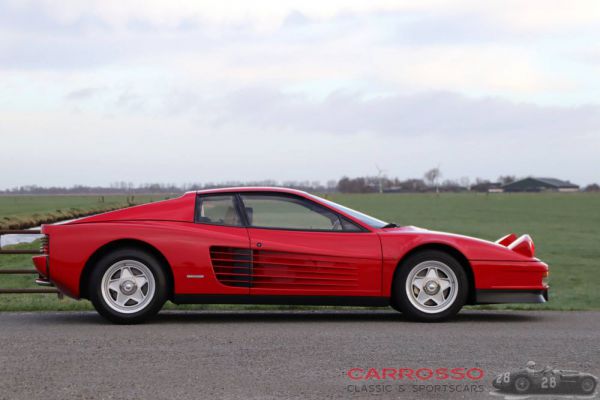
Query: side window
[
  {"x": 288, "y": 212},
  {"x": 218, "y": 210}
]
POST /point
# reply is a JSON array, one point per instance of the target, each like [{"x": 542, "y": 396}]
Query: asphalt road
[{"x": 246, "y": 355}]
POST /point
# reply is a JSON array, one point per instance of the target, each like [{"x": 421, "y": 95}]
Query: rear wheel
[
  {"x": 128, "y": 286},
  {"x": 588, "y": 385},
  {"x": 430, "y": 286}
]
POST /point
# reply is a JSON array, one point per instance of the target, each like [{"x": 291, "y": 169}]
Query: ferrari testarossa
[{"x": 278, "y": 246}]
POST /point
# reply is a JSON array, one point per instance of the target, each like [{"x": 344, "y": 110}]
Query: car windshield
[{"x": 367, "y": 219}]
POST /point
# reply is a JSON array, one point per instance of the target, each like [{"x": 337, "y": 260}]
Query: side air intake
[{"x": 232, "y": 266}]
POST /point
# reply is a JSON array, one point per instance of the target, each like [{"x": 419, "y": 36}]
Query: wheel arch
[
  {"x": 121, "y": 243},
  {"x": 454, "y": 252}
]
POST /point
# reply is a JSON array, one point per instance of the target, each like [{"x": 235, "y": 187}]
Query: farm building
[
  {"x": 540, "y": 185},
  {"x": 491, "y": 187}
]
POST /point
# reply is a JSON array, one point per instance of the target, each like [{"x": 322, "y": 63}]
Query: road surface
[{"x": 280, "y": 354}]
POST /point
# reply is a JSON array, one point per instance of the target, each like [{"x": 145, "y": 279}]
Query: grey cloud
[
  {"x": 296, "y": 18},
  {"x": 450, "y": 29},
  {"x": 35, "y": 18},
  {"x": 84, "y": 93},
  {"x": 131, "y": 101},
  {"x": 470, "y": 27},
  {"x": 42, "y": 42},
  {"x": 77, "y": 53},
  {"x": 58, "y": 53},
  {"x": 433, "y": 113}
]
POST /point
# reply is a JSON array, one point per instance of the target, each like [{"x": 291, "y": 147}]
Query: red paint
[
  {"x": 41, "y": 264},
  {"x": 506, "y": 240},
  {"x": 343, "y": 263},
  {"x": 284, "y": 262},
  {"x": 421, "y": 374},
  {"x": 523, "y": 245}
]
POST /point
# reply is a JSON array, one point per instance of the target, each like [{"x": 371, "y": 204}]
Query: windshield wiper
[{"x": 390, "y": 225}]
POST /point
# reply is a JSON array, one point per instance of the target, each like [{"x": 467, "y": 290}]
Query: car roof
[{"x": 252, "y": 189}]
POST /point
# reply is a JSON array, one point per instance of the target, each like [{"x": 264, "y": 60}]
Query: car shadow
[
  {"x": 290, "y": 316},
  {"x": 328, "y": 317}
]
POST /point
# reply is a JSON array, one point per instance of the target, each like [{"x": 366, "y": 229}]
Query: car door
[
  {"x": 223, "y": 256},
  {"x": 302, "y": 248}
]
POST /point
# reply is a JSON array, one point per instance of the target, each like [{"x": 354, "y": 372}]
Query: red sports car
[{"x": 278, "y": 246}]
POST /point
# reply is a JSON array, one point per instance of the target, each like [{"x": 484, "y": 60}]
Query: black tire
[
  {"x": 401, "y": 300},
  {"x": 153, "y": 304},
  {"x": 395, "y": 306},
  {"x": 522, "y": 385},
  {"x": 587, "y": 385}
]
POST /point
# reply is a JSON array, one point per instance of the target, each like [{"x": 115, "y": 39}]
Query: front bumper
[{"x": 495, "y": 296}]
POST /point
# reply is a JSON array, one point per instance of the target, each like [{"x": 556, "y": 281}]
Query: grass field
[
  {"x": 18, "y": 211},
  {"x": 565, "y": 228}
]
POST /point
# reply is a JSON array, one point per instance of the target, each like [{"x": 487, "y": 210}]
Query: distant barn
[
  {"x": 490, "y": 187},
  {"x": 540, "y": 185}
]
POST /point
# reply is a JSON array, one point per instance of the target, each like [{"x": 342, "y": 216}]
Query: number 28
[{"x": 548, "y": 382}]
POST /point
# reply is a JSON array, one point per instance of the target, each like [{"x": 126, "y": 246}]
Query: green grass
[
  {"x": 26, "y": 211},
  {"x": 565, "y": 228}
]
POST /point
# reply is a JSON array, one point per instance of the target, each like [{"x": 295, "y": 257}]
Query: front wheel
[
  {"x": 522, "y": 384},
  {"x": 430, "y": 286},
  {"x": 128, "y": 286}
]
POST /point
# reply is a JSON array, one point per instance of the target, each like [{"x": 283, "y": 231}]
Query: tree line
[{"x": 430, "y": 182}]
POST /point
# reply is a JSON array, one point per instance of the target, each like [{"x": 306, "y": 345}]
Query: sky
[{"x": 99, "y": 91}]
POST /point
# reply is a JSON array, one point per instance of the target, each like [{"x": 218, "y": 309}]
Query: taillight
[{"x": 45, "y": 245}]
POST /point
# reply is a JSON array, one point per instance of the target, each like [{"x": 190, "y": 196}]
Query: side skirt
[{"x": 357, "y": 301}]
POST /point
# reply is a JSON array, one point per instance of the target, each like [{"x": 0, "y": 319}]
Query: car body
[
  {"x": 545, "y": 380},
  {"x": 282, "y": 246}
]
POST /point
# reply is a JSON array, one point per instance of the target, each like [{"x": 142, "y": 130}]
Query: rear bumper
[
  {"x": 493, "y": 296},
  {"x": 41, "y": 265}
]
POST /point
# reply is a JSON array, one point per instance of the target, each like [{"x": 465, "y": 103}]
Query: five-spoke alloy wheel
[
  {"x": 128, "y": 286},
  {"x": 430, "y": 286}
]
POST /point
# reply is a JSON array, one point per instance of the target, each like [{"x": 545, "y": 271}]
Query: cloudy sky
[{"x": 93, "y": 92}]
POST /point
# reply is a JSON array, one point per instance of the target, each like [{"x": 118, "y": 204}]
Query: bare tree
[
  {"x": 506, "y": 179},
  {"x": 465, "y": 182},
  {"x": 380, "y": 177},
  {"x": 432, "y": 176}
]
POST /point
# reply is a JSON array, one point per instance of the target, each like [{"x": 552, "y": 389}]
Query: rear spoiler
[{"x": 522, "y": 245}]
